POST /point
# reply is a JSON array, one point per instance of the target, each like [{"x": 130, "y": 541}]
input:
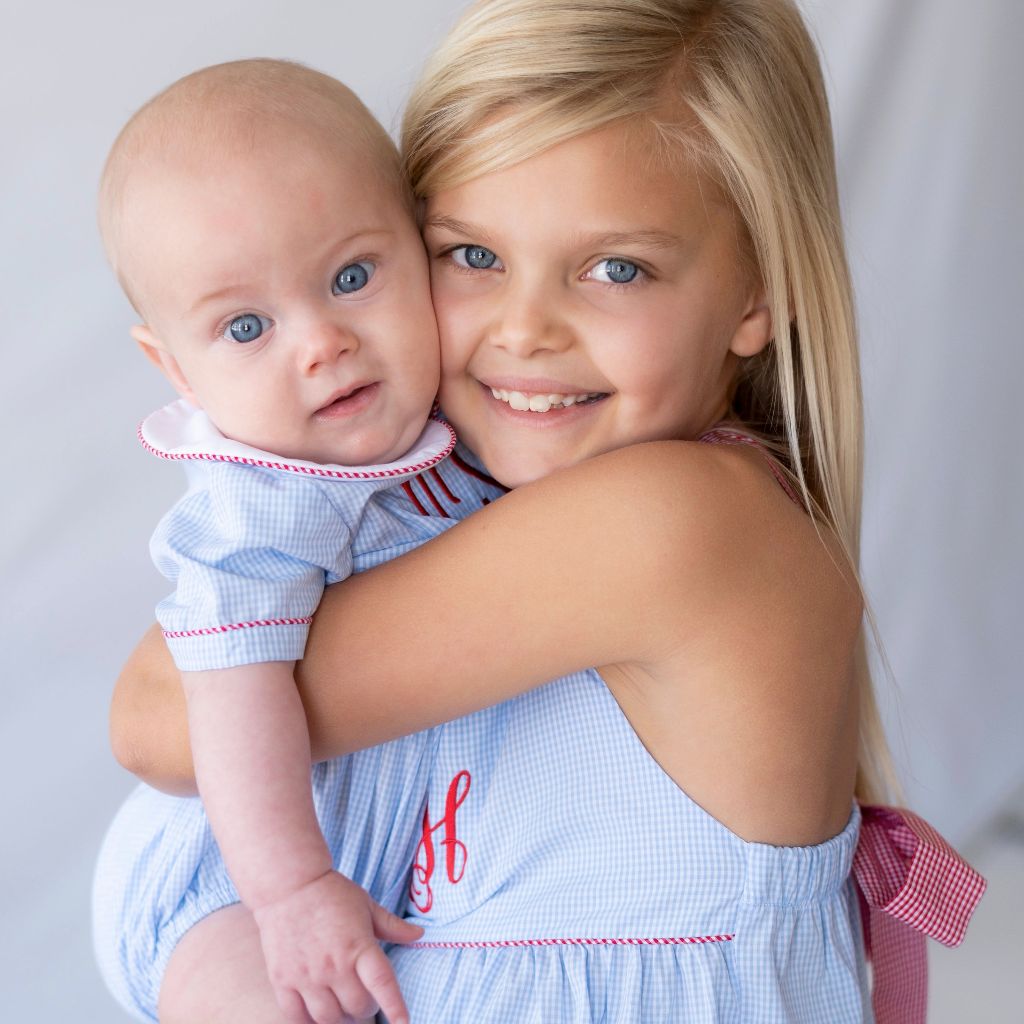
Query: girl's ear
[
  {"x": 155, "y": 351},
  {"x": 755, "y": 329}
]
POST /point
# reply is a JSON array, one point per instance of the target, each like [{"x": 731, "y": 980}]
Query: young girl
[{"x": 632, "y": 216}]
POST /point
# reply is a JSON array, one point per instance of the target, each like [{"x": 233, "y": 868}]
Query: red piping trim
[
  {"x": 213, "y": 630},
  {"x": 319, "y": 471},
  {"x": 687, "y": 940}
]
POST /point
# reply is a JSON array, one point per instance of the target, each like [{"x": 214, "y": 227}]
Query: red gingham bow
[{"x": 912, "y": 884}]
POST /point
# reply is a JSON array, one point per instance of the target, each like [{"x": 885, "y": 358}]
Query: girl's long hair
[{"x": 515, "y": 77}]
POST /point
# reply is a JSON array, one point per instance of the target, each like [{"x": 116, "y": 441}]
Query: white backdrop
[{"x": 931, "y": 151}]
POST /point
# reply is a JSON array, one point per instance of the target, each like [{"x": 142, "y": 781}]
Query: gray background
[{"x": 928, "y": 128}]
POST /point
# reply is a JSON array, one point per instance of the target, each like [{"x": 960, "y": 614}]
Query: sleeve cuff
[{"x": 243, "y": 643}]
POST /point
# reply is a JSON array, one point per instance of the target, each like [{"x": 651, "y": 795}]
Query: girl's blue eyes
[
  {"x": 615, "y": 271},
  {"x": 247, "y": 327},
  {"x": 353, "y": 277},
  {"x": 475, "y": 257},
  {"x": 609, "y": 271}
]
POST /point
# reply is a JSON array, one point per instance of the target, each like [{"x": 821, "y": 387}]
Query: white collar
[{"x": 181, "y": 431}]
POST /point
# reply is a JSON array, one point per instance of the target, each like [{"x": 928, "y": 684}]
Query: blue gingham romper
[
  {"x": 256, "y": 537},
  {"x": 159, "y": 871},
  {"x": 559, "y": 873}
]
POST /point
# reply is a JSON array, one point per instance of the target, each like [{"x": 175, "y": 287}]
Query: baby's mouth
[
  {"x": 523, "y": 401},
  {"x": 350, "y": 400}
]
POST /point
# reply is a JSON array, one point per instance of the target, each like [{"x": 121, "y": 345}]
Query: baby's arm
[
  {"x": 249, "y": 551},
  {"x": 319, "y": 930}
]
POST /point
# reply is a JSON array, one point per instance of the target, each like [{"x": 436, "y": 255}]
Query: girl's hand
[{"x": 324, "y": 960}]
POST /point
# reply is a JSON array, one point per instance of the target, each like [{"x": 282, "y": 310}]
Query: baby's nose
[{"x": 324, "y": 342}]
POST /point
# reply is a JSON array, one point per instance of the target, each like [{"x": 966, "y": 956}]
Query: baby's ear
[{"x": 156, "y": 352}]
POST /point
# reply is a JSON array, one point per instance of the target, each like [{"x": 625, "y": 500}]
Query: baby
[{"x": 256, "y": 216}]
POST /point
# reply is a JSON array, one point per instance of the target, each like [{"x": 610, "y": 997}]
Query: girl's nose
[
  {"x": 324, "y": 342},
  {"x": 530, "y": 319}
]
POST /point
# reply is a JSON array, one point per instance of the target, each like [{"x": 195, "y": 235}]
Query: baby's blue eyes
[
  {"x": 615, "y": 271},
  {"x": 247, "y": 327},
  {"x": 475, "y": 257},
  {"x": 353, "y": 277}
]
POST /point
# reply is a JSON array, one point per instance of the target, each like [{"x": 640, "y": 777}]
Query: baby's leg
[{"x": 217, "y": 975}]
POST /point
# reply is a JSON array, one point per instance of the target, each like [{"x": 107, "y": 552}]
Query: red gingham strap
[
  {"x": 912, "y": 884},
  {"x": 723, "y": 435}
]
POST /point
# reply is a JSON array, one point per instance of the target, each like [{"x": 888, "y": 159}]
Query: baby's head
[{"x": 256, "y": 216}]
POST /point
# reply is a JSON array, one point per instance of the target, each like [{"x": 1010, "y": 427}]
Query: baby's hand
[{"x": 323, "y": 956}]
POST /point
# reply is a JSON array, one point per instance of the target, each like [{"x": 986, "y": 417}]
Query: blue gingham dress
[{"x": 560, "y": 875}]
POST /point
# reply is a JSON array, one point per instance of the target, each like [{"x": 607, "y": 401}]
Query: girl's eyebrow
[
  {"x": 651, "y": 238},
  {"x": 456, "y": 227},
  {"x": 648, "y": 238}
]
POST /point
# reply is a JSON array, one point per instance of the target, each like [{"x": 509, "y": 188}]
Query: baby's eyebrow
[{"x": 220, "y": 293}]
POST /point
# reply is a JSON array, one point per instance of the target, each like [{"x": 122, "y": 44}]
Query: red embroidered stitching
[
  {"x": 687, "y": 940},
  {"x": 213, "y": 630},
  {"x": 422, "y": 481},
  {"x": 420, "y": 891},
  {"x": 307, "y": 470},
  {"x": 436, "y": 474},
  {"x": 467, "y": 468},
  {"x": 407, "y": 487}
]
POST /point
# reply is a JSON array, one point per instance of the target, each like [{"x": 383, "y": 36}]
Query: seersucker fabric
[
  {"x": 559, "y": 873},
  {"x": 256, "y": 537}
]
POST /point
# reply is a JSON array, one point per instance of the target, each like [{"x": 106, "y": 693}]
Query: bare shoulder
[
  {"x": 718, "y": 523},
  {"x": 757, "y": 626}
]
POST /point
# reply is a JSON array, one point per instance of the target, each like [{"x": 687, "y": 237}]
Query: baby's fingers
[
  {"x": 389, "y": 928},
  {"x": 322, "y": 1006},
  {"x": 353, "y": 995},
  {"x": 378, "y": 976},
  {"x": 292, "y": 1005}
]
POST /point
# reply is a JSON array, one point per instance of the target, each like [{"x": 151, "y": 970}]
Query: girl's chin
[
  {"x": 519, "y": 447},
  {"x": 512, "y": 468}
]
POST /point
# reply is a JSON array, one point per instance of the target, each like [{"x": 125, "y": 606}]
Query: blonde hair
[
  {"x": 515, "y": 77},
  {"x": 225, "y": 103}
]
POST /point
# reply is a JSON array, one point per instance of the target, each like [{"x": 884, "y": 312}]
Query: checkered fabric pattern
[
  {"x": 559, "y": 873},
  {"x": 912, "y": 884},
  {"x": 160, "y": 871},
  {"x": 255, "y": 539}
]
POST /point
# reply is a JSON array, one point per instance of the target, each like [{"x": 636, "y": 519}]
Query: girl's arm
[{"x": 614, "y": 561}]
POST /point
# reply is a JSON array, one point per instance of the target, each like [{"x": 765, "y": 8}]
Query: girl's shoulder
[
  {"x": 718, "y": 514},
  {"x": 746, "y": 696}
]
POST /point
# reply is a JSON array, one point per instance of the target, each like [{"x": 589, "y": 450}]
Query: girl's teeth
[{"x": 522, "y": 402}]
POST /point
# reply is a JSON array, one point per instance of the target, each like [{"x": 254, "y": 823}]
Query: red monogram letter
[{"x": 454, "y": 850}]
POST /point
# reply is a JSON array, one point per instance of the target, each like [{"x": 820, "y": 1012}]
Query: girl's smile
[{"x": 587, "y": 299}]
